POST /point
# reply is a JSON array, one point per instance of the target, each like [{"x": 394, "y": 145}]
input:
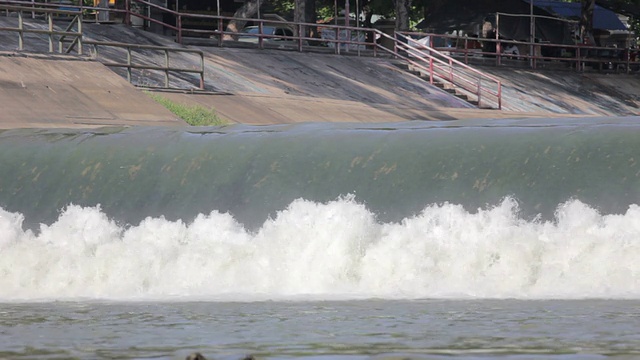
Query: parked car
[{"x": 253, "y": 32}]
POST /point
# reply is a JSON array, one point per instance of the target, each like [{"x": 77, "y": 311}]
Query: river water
[
  {"x": 363, "y": 329},
  {"x": 511, "y": 238}
]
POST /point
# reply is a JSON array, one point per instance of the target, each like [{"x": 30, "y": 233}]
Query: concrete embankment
[
  {"x": 568, "y": 92},
  {"x": 285, "y": 87},
  {"x": 255, "y": 86},
  {"x": 70, "y": 93}
]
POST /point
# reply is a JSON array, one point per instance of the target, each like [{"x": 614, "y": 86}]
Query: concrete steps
[{"x": 442, "y": 84}]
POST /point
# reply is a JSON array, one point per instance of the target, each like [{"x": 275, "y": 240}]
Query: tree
[
  {"x": 246, "y": 11},
  {"x": 405, "y": 10},
  {"x": 586, "y": 17},
  {"x": 402, "y": 10},
  {"x": 305, "y": 12}
]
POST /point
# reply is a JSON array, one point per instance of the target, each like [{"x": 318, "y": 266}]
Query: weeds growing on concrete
[{"x": 193, "y": 115}]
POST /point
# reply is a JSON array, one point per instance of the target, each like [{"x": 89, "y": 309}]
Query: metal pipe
[
  {"x": 50, "y": 21},
  {"x": 498, "y": 47},
  {"x": 127, "y": 14},
  {"x": 532, "y": 31},
  {"x": 179, "y": 28},
  {"x": 20, "y": 31},
  {"x": 479, "y": 92},
  {"x": 166, "y": 71},
  {"x": 129, "y": 64},
  {"x": 79, "y": 38},
  {"x": 201, "y": 71}
]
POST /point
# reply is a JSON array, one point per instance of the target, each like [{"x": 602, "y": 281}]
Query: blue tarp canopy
[{"x": 603, "y": 19}]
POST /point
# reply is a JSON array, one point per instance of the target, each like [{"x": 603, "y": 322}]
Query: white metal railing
[
  {"x": 75, "y": 40},
  {"x": 51, "y": 32},
  {"x": 167, "y": 68}
]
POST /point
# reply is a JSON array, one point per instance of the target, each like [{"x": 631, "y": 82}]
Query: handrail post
[
  {"x": 129, "y": 64},
  {"x": 535, "y": 57},
  {"x": 60, "y": 45},
  {"x": 220, "y": 32},
  {"x": 50, "y": 23},
  {"x": 179, "y": 23},
  {"x": 450, "y": 70},
  {"x": 578, "y": 62},
  {"x": 479, "y": 92},
  {"x": 375, "y": 45},
  {"x": 498, "y": 50},
  {"x": 431, "y": 70},
  {"x": 79, "y": 36},
  {"x": 395, "y": 43},
  {"x": 166, "y": 68},
  {"x": 627, "y": 51},
  {"x": 127, "y": 14},
  {"x": 300, "y": 37},
  {"x": 347, "y": 35},
  {"x": 466, "y": 49},
  {"x": 20, "y": 31},
  {"x": 201, "y": 70}
]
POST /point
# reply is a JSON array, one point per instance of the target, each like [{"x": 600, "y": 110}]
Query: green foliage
[
  {"x": 283, "y": 6},
  {"x": 385, "y": 8},
  {"x": 192, "y": 115},
  {"x": 325, "y": 12}
]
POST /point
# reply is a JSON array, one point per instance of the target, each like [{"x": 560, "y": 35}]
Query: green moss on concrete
[{"x": 193, "y": 115}]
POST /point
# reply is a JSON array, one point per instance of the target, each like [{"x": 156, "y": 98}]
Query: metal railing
[
  {"x": 342, "y": 41},
  {"x": 74, "y": 39},
  {"x": 361, "y": 41},
  {"x": 442, "y": 63},
  {"x": 345, "y": 39},
  {"x": 88, "y": 12},
  {"x": 167, "y": 68},
  {"x": 495, "y": 51},
  {"x": 444, "y": 69},
  {"x": 51, "y": 32},
  {"x": 576, "y": 56}
]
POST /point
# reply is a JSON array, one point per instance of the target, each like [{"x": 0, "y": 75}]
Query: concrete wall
[{"x": 57, "y": 92}]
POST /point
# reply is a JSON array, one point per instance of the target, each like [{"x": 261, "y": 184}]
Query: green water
[{"x": 251, "y": 172}]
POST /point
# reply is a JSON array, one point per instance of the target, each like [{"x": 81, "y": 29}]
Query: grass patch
[{"x": 193, "y": 115}]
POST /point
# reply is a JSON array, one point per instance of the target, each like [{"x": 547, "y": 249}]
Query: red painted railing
[
  {"x": 441, "y": 68},
  {"x": 577, "y": 56}
]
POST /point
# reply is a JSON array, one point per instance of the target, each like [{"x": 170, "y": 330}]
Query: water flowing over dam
[
  {"x": 252, "y": 172},
  {"x": 331, "y": 195}
]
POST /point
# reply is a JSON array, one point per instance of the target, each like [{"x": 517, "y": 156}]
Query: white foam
[{"x": 325, "y": 251}]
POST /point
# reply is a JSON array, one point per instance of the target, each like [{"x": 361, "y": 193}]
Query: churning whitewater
[
  {"x": 333, "y": 250},
  {"x": 529, "y": 209}
]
